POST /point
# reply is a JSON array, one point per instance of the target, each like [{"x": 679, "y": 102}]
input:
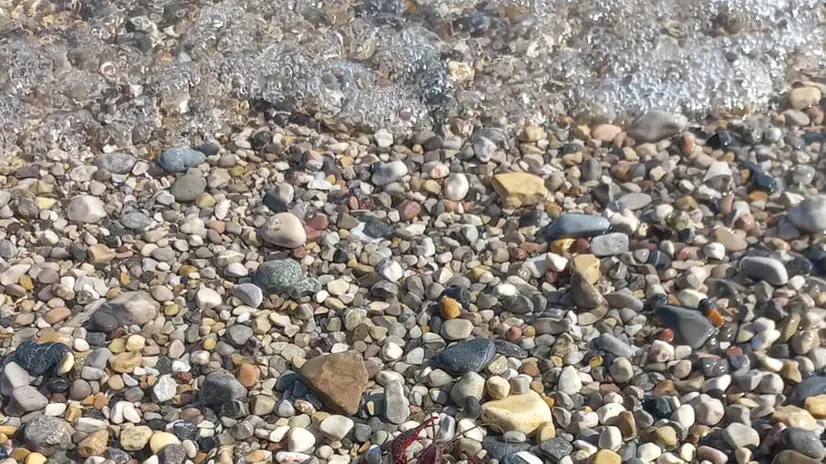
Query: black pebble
[
  {"x": 275, "y": 204},
  {"x": 460, "y": 294},
  {"x": 764, "y": 182},
  {"x": 185, "y": 430},
  {"x": 817, "y": 256},
  {"x": 660, "y": 407},
  {"x": 57, "y": 385},
  {"x": 472, "y": 407},
  {"x": 659, "y": 260},
  {"x": 721, "y": 139},
  {"x": 39, "y": 358}
]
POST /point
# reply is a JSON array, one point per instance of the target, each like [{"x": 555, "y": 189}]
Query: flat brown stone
[{"x": 338, "y": 379}]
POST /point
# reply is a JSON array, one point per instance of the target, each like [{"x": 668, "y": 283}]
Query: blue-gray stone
[
  {"x": 467, "y": 356},
  {"x": 498, "y": 448},
  {"x": 510, "y": 350},
  {"x": 556, "y": 448},
  {"x": 220, "y": 388},
  {"x": 179, "y": 159},
  {"x": 136, "y": 220},
  {"x": 571, "y": 225},
  {"x": 803, "y": 441},
  {"x": 285, "y": 278},
  {"x": 612, "y": 344},
  {"x": 812, "y": 386},
  {"x": 690, "y": 326},
  {"x": 115, "y": 163},
  {"x": 39, "y": 358}
]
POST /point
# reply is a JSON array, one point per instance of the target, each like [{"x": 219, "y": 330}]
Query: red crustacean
[
  {"x": 431, "y": 454},
  {"x": 400, "y": 444}
]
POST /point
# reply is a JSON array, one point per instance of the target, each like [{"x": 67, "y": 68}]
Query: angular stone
[
  {"x": 690, "y": 326},
  {"x": 284, "y": 277},
  {"x": 135, "y": 438},
  {"x": 39, "y": 358},
  {"x": 810, "y": 214},
  {"x": 115, "y": 162},
  {"x": 517, "y": 189},
  {"x": 338, "y": 379},
  {"x": 188, "y": 188},
  {"x": 86, "y": 209},
  {"x": 524, "y": 413},
  {"x": 585, "y": 295},
  {"x": 221, "y": 387},
  {"x": 467, "y": 356},
  {"x": 133, "y": 308},
  {"x": 48, "y": 435},
  {"x": 656, "y": 125}
]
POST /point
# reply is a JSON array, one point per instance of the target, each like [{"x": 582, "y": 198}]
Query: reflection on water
[{"x": 130, "y": 71}]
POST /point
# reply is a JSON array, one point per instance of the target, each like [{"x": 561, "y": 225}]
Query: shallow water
[{"x": 84, "y": 74}]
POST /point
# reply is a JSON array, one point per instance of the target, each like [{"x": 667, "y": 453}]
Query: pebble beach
[{"x": 474, "y": 286}]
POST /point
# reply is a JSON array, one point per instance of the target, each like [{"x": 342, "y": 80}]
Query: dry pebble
[{"x": 647, "y": 292}]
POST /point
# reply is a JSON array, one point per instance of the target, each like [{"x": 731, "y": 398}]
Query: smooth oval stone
[
  {"x": 803, "y": 441},
  {"x": 792, "y": 457},
  {"x": 690, "y": 326},
  {"x": 765, "y": 269},
  {"x": 810, "y": 214},
  {"x": 179, "y": 159},
  {"x": 609, "y": 244},
  {"x": 468, "y": 356},
  {"x": 632, "y": 201},
  {"x": 612, "y": 344},
  {"x": 812, "y": 386},
  {"x": 570, "y": 225}
]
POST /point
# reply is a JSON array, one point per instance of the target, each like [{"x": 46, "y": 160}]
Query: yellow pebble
[
  {"x": 36, "y": 458},
  {"x": 450, "y": 308},
  {"x": 209, "y": 344}
]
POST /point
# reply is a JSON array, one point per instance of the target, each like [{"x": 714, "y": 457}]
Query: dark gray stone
[
  {"x": 38, "y": 359},
  {"x": 220, "y": 388},
  {"x": 511, "y": 350},
  {"x": 690, "y": 326},
  {"x": 135, "y": 220},
  {"x": 556, "y": 448},
  {"x": 466, "y": 356},
  {"x": 47, "y": 435},
  {"x": 612, "y": 344},
  {"x": 803, "y": 441},
  {"x": 812, "y": 386},
  {"x": 571, "y": 225}
]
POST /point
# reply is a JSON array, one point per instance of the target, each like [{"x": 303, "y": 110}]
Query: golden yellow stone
[
  {"x": 118, "y": 345},
  {"x": 450, "y": 308},
  {"x": 35, "y": 458},
  {"x": 562, "y": 246},
  {"x": 26, "y": 282}
]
